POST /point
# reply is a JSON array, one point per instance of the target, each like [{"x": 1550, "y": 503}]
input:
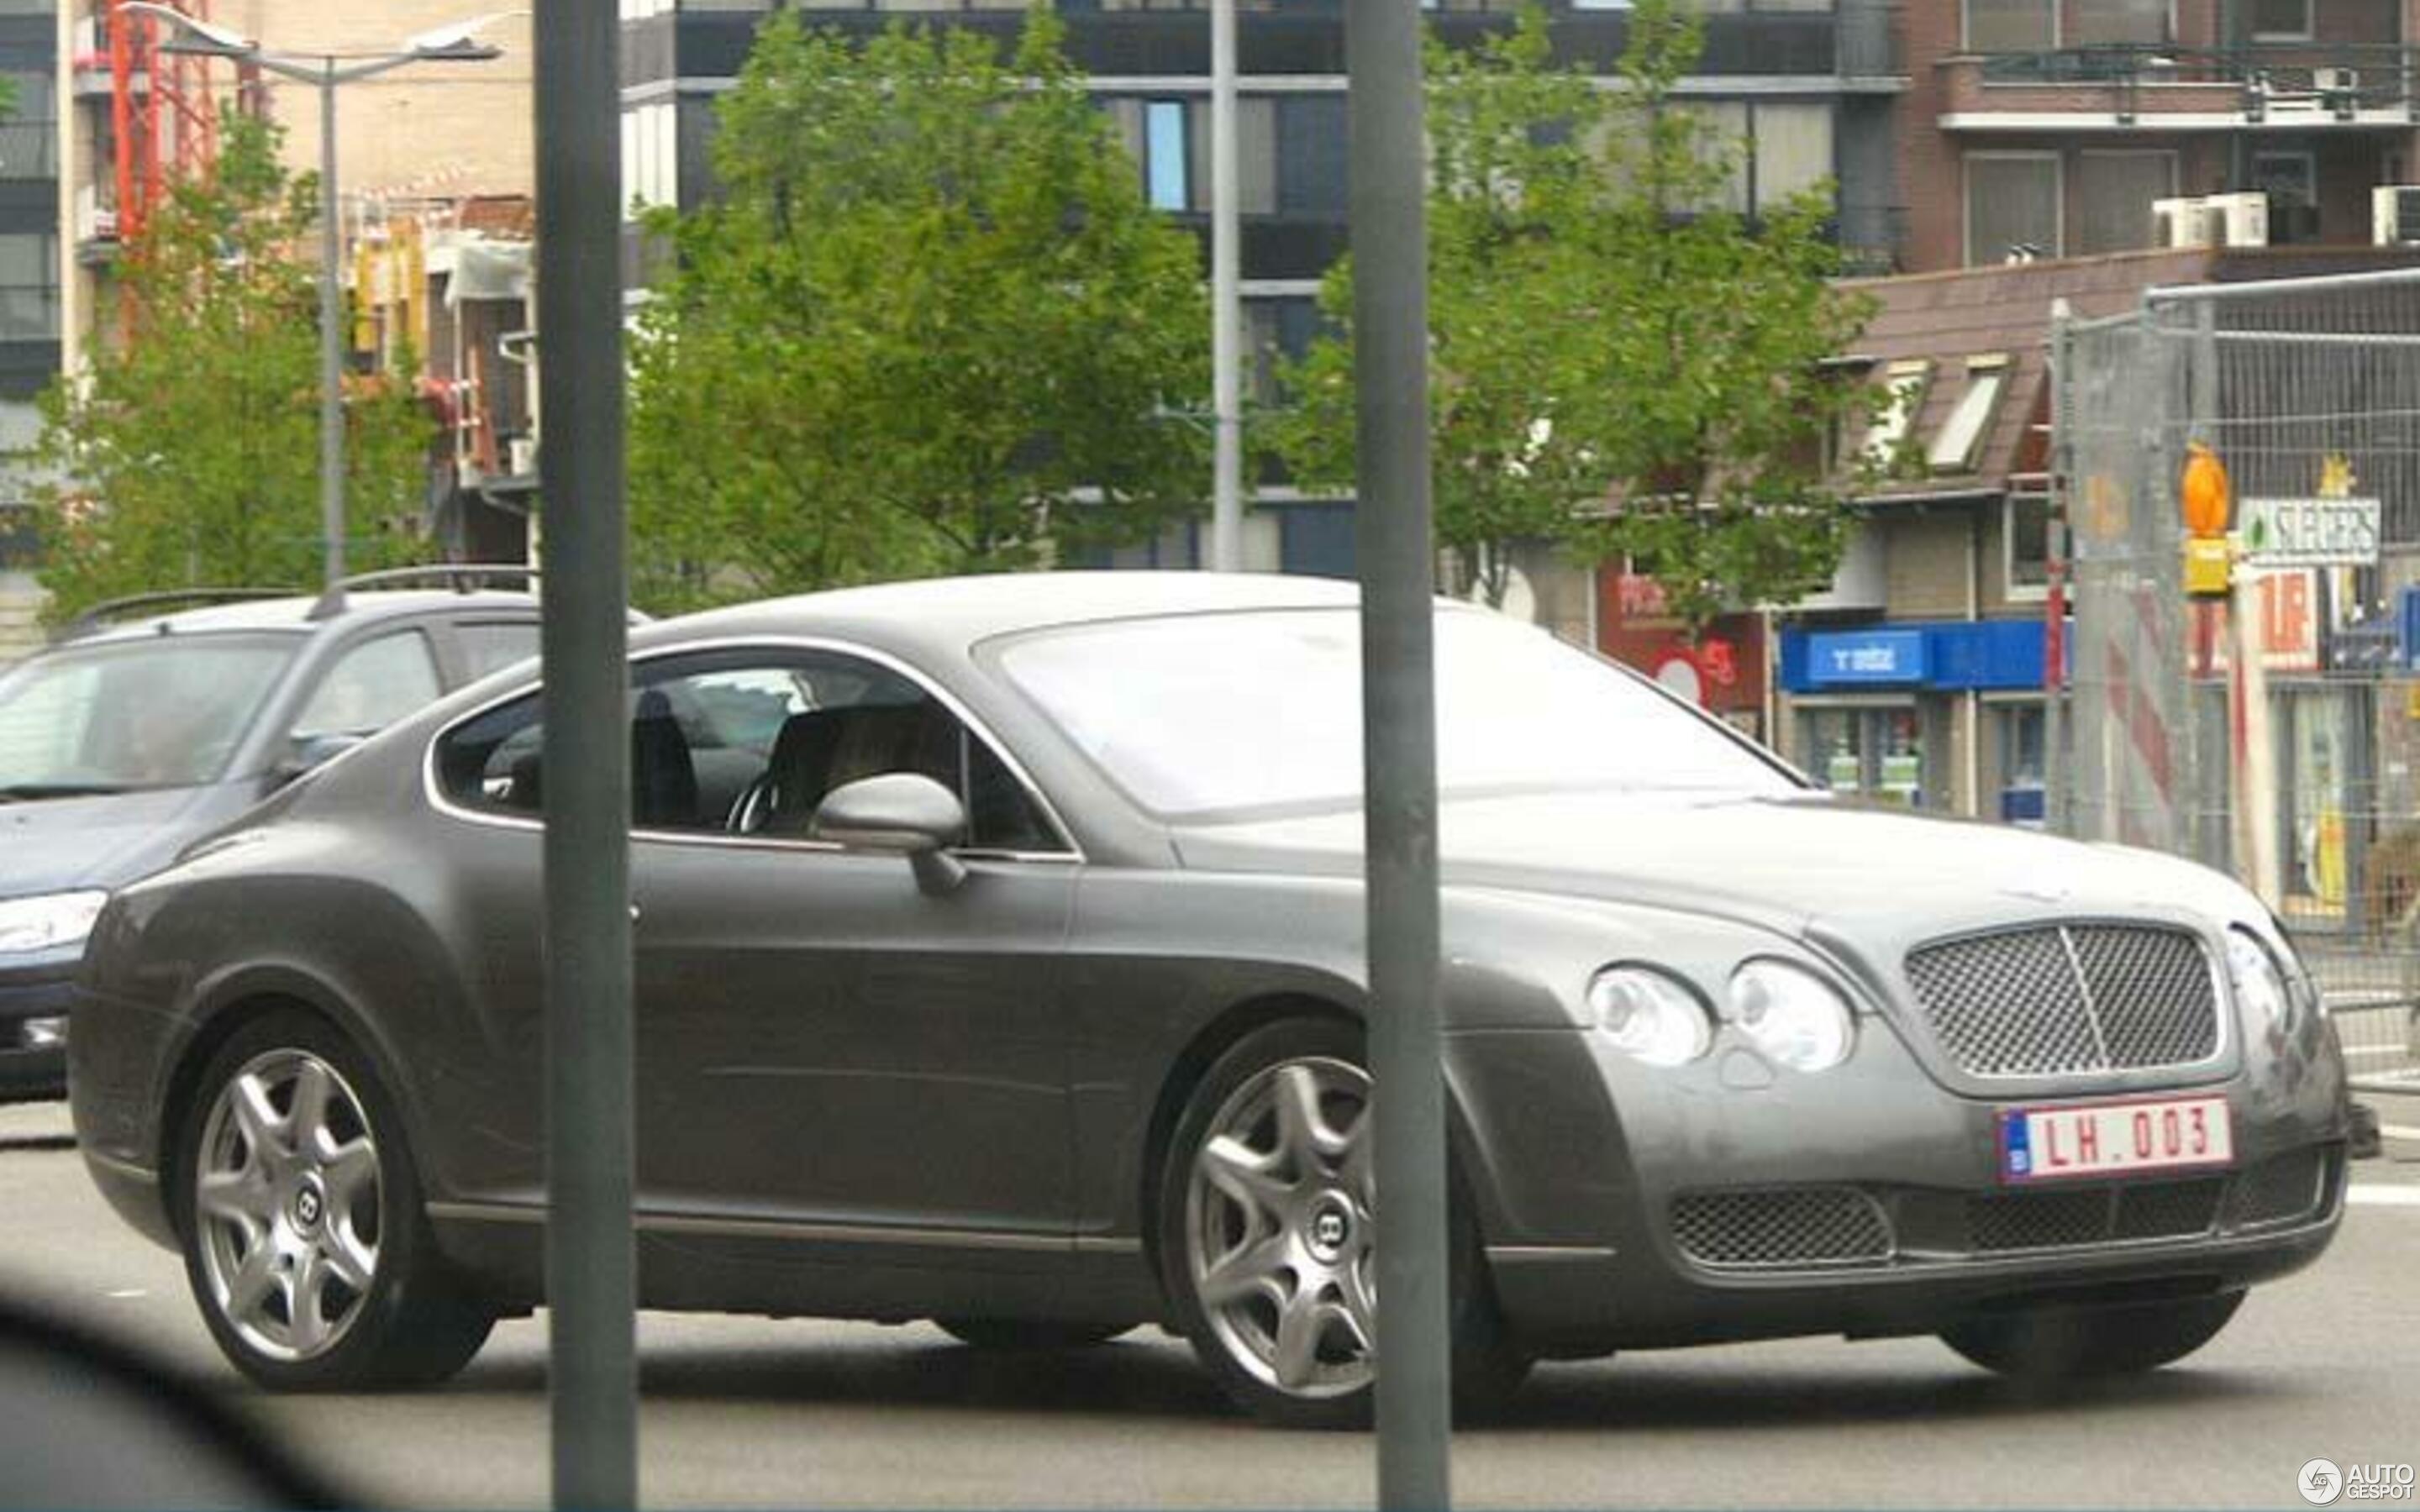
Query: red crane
[{"x": 161, "y": 111}]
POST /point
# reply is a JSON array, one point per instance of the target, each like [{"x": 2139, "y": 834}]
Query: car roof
[
  {"x": 295, "y": 614},
  {"x": 969, "y": 609}
]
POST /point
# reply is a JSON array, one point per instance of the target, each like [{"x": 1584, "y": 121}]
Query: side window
[
  {"x": 750, "y": 742},
  {"x": 492, "y": 646},
  {"x": 371, "y": 687}
]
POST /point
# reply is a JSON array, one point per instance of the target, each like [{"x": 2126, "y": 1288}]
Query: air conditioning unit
[
  {"x": 2335, "y": 81},
  {"x": 521, "y": 455},
  {"x": 2238, "y": 220},
  {"x": 2180, "y": 223},
  {"x": 2395, "y": 215}
]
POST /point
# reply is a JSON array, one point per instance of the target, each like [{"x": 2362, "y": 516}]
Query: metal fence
[{"x": 2276, "y": 734}]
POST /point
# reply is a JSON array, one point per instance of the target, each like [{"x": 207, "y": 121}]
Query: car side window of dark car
[{"x": 751, "y": 743}]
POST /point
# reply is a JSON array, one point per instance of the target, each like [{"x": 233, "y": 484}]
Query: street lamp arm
[{"x": 454, "y": 37}]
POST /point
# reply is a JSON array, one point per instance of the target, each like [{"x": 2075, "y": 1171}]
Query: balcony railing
[{"x": 2320, "y": 82}]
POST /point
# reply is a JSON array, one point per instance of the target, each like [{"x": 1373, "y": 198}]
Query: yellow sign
[
  {"x": 2335, "y": 476},
  {"x": 2209, "y": 566}
]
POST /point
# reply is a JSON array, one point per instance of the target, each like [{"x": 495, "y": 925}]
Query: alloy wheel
[
  {"x": 288, "y": 1205},
  {"x": 1279, "y": 1242}
]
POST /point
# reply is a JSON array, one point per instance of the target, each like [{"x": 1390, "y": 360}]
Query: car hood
[
  {"x": 59, "y": 845},
  {"x": 1799, "y": 864}
]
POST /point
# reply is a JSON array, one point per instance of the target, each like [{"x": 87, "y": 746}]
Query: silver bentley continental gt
[{"x": 999, "y": 961}]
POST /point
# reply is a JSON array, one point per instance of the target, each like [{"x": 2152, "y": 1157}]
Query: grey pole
[
  {"x": 1399, "y": 704},
  {"x": 332, "y": 400},
  {"x": 590, "y": 1266},
  {"x": 1226, "y": 301}
]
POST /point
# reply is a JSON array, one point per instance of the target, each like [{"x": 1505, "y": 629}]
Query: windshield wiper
[{"x": 22, "y": 792}]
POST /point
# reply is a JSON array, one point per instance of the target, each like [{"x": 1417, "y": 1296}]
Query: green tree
[
  {"x": 930, "y": 325},
  {"x": 1619, "y": 365},
  {"x": 188, "y": 449}
]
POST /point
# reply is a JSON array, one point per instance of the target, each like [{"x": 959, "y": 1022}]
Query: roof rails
[
  {"x": 463, "y": 577},
  {"x": 136, "y": 606}
]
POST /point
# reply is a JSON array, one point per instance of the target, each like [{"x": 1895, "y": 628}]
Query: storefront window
[
  {"x": 1865, "y": 752},
  {"x": 2021, "y": 732},
  {"x": 2317, "y": 794}
]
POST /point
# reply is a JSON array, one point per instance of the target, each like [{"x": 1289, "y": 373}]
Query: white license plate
[{"x": 2114, "y": 1139}]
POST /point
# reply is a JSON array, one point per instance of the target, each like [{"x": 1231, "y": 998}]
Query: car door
[{"x": 821, "y": 1042}]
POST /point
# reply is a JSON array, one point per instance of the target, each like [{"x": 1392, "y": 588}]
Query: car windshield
[
  {"x": 162, "y": 711},
  {"x": 1231, "y": 714}
]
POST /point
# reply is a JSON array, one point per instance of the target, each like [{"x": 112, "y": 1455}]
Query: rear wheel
[
  {"x": 304, "y": 1238},
  {"x": 1010, "y": 1333},
  {"x": 1268, "y": 1244},
  {"x": 2059, "y": 1344}
]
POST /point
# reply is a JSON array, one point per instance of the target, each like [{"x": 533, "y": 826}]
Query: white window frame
[
  {"x": 1978, "y": 406},
  {"x": 1906, "y": 383},
  {"x": 2058, "y": 161}
]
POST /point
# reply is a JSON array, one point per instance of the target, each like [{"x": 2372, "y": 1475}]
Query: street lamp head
[
  {"x": 455, "y": 41},
  {"x": 194, "y": 35}
]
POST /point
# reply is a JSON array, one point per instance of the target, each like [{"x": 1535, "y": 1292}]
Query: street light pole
[
  {"x": 451, "y": 43},
  {"x": 332, "y": 358},
  {"x": 1226, "y": 305}
]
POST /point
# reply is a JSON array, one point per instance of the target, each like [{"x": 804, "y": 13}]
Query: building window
[
  {"x": 30, "y": 134},
  {"x": 2281, "y": 21},
  {"x": 2120, "y": 21},
  {"x": 29, "y": 286},
  {"x": 1903, "y": 386},
  {"x": 2012, "y": 206},
  {"x": 2291, "y": 181},
  {"x": 2113, "y": 200},
  {"x": 1311, "y": 155},
  {"x": 1166, "y": 177},
  {"x": 2024, "y": 531},
  {"x": 1792, "y": 150},
  {"x": 1961, "y": 437},
  {"x": 2011, "y": 25}
]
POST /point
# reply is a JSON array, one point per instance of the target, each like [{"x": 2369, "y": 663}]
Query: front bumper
[
  {"x": 1629, "y": 1208},
  {"x": 31, "y": 1066}
]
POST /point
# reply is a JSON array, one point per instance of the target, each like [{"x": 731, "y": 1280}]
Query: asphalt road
[{"x": 742, "y": 1412}]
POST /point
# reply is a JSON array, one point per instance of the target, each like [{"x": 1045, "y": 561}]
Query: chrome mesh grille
[
  {"x": 2062, "y": 999},
  {"x": 2283, "y": 1190},
  {"x": 1781, "y": 1227}
]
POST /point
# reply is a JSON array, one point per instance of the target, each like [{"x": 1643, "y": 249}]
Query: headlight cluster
[
  {"x": 2262, "y": 984},
  {"x": 1790, "y": 1014},
  {"x": 50, "y": 922}
]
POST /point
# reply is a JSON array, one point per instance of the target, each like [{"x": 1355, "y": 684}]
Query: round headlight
[
  {"x": 1792, "y": 1015},
  {"x": 1650, "y": 1016},
  {"x": 2259, "y": 984}
]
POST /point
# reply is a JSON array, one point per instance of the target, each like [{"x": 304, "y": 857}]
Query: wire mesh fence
[{"x": 2273, "y": 734}]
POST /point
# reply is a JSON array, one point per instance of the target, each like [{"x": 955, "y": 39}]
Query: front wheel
[
  {"x": 1266, "y": 1237},
  {"x": 300, "y": 1217},
  {"x": 2059, "y": 1344}
]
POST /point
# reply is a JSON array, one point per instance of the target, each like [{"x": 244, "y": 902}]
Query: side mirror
[
  {"x": 898, "y": 814},
  {"x": 309, "y": 753}
]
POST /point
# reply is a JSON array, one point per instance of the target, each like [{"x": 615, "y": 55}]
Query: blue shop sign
[
  {"x": 1955, "y": 655},
  {"x": 1861, "y": 657}
]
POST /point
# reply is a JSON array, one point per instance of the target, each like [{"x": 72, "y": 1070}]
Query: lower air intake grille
[
  {"x": 2280, "y": 1191},
  {"x": 1781, "y": 1227}
]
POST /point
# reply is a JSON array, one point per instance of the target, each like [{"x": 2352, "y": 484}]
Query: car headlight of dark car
[
  {"x": 1796, "y": 1017},
  {"x": 52, "y": 922}
]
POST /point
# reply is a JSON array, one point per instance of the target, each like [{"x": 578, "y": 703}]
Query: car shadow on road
[{"x": 1148, "y": 1376}]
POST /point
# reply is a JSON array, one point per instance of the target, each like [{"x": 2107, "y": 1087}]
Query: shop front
[
  {"x": 1721, "y": 670},
  {"x": 1942, "y": 717}
]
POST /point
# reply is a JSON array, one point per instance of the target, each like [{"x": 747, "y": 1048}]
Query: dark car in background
[
  {"x": 999, "y": 961},
  {"x": 140, "y": 729}
]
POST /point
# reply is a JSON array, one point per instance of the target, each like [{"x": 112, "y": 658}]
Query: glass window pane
[
  {"x": 492, "y": 647},
  {"x": 2028, "y": 527},
  {"x": 2281, "y": 18},
  {"x": 372, "y": 686},
  {"x": 1725, "y": 141},
  {"x": 1164, "y": 155},
  {"x": 1955, "y": 445},
  {"x": 2012, "y": 203},
  {"x": 2010, "y": 25},
  {"x": 1256, "y": 156},
  {"x": 1793, "y": 150},
  {"x": 2119, "y": 21},
  {"x": 2113, "y": 200},
  {"x": 1311, "y": 155}
]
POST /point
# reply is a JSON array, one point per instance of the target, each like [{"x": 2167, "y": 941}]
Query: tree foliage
[
  {"x": 187, "y": 453},
  {"x": 929, "y": 316},
  {"x": 1619, "y": 365}
]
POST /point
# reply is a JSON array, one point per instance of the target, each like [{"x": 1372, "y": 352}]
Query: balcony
[{"x": 2161, "y": 87}]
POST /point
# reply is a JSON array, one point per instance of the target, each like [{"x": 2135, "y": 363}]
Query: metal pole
[
  {"x": 2058, "y": 803},
  {"x": 1399, "y": 702},
  {"x": 332, "y": 400},
  {"x": 590, "y": 1264},
  {"x": 1226, "y": 301}
]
